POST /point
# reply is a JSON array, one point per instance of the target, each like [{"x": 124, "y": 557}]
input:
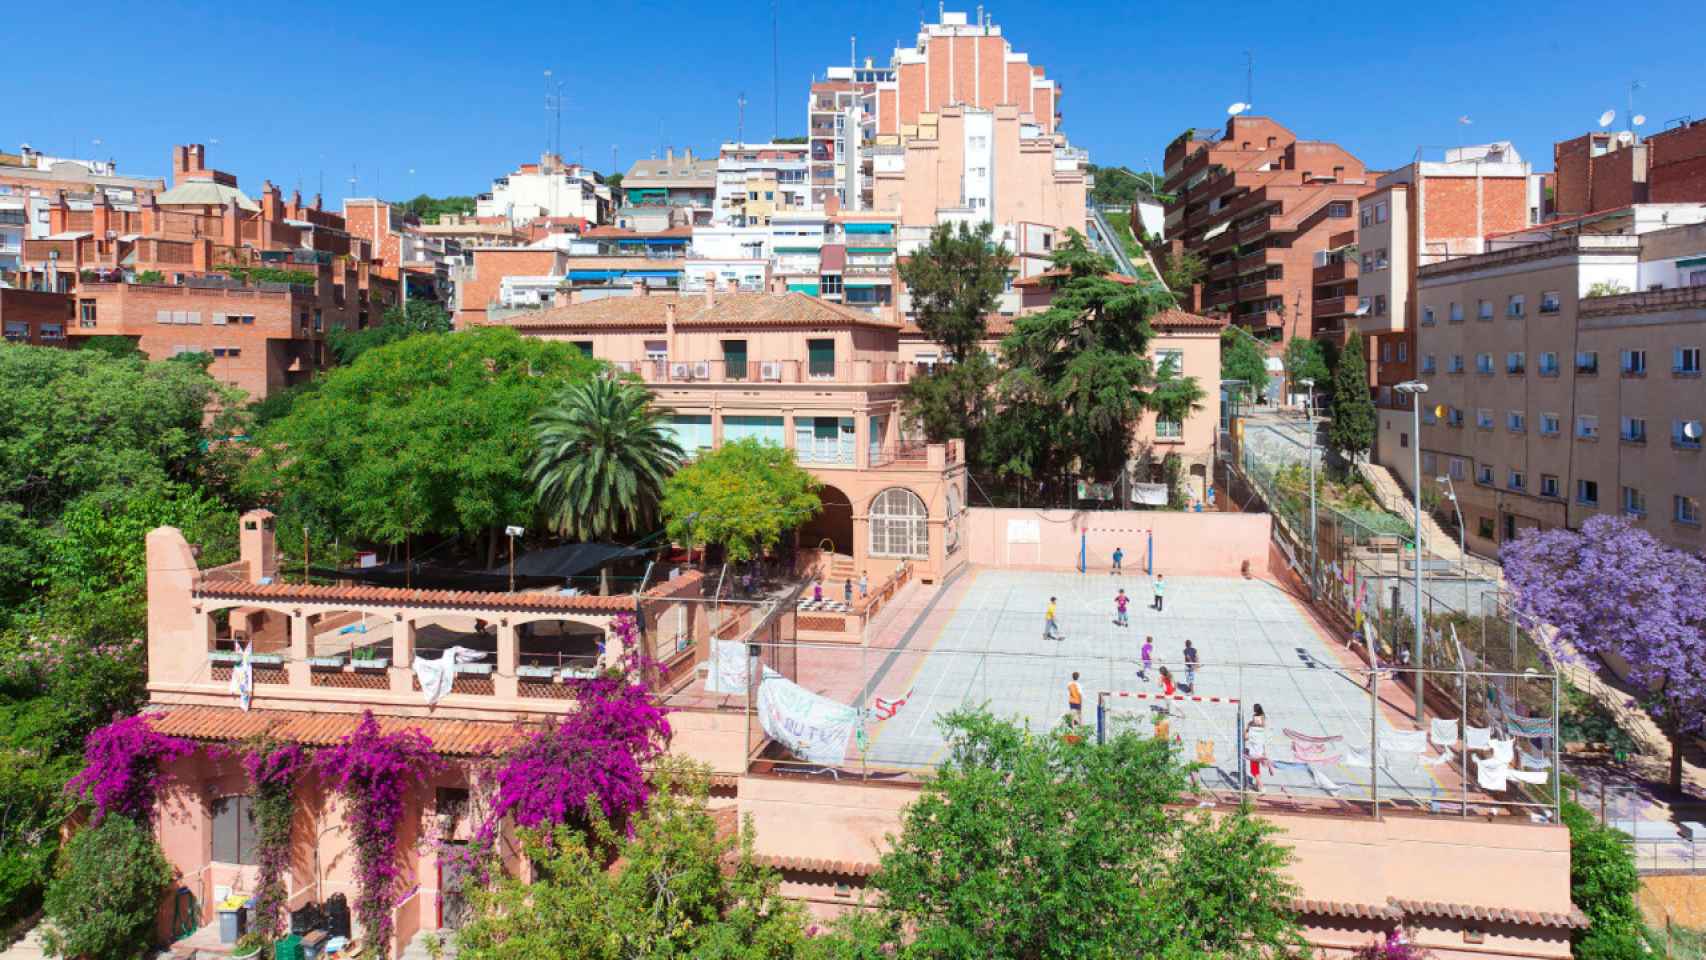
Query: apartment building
[
  {"x": 1258, "y": 205},
  {"x": 755, "y": 181},
  {"x": 1609, "y": 170},
  {"x": 419, "y": 261},
  {"x": 841, "y": 123},
  {"x": 549, "y": 188},
  {"x": 1557, "y": 393},
  {"x": 31, "y": 182},
  {"x": 1422, "y": 213},
  {"x": 958, "y": 61},
  {"x": 684, "y": 183},
  {"x": 36, "y": 317}
]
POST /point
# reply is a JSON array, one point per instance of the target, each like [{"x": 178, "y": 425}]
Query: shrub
[
  {"x": 121, "y": 772},
  {"x": 1603, "y": 882},
  {"x": 105, "y": 900},
  {"x": 273, "y": 767}
]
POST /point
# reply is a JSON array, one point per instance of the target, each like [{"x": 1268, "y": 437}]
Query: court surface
[{"x": 983, "y": 643}]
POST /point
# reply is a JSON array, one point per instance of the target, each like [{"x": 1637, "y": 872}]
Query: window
[
  {"x": 1484, "y": 528},
  {"x": 830, "y": 283},
  {"x": 234, "y": 839},
  {"x": 1456, "y": 364},
  {"x": 1685, "y": 510},
  {"x": 1458, "y": 467},
  {"x": 1679, "y": 434},
  {"x": 1634, "y": 363},
  {"x": 820, "y": 358},
  {"x": 1427, "y": 316},
  {"x": 1428, "y": 363},
  {"x": 1516, "y": 421},
  {"x": 1428, "y": 415},
  {"x": 1339, "y": 209},
  {"x": 1549, "y": 302},
  {"x": 1367, "y": 218},
  {"x": 1516, "y": 362},
  {"x": 1483, "y": 363},
  {"x": 1456, "y": 313},
  {"x": 584, "y": 346},
  {"x": 1386, "y": 353},
  {"x": 1549, "y": 364},
  {"x": 1516, "y": 480},
  {"x": 1380, "y": 304},
  {"x": 734, "y": 359},
  {"x": 86, "y": 315},
  {"x": 1168, "y": 429},
  {"x": 1513, "y": 306},
  {"x": 1484, "y": 310},
  {"x": 1484, "y": 418},
  {"x": 1587, "y": 427},
  {"x": 1364, "y": 305},
  {"x": 1587, "y": 362},
  {"x": 979, "y": 173},
  {"x": 657, "y": 350},
  {"x": 1484, "y": 474},
  {"x": 1685, "y": 361},
  {"x": 1430, "y": 463},
  {"x": 1548, "y": 485},
  {"x": 1633, "y": 430},
  {"x": 1173, "y": 360},
  {"x": 1587, "y": 492},
  {"x": 1380, "y": 260},
  {"x": 899, "y": 525},
  {"x": 1380, "y": 212},
  {"x": 1634, "y": 502},
  {"x": 1404, "y": 440},
  {"x": 319, "y": 321},
  {"x": 1454, "y": 417},
  {"x": 1549, "y": 426},
  {"x": 1403, "y": 351},
  {"x": 979, "y": 143}
]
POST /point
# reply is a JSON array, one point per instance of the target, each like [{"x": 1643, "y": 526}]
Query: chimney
[
  {"x": 562, "y": 298},
  {"x": 639, "y": 287},
  {"x": 577, "y": 296},
  {"x": 256, "y": 546},
  {"x": 669, "y": 320},
  {"x": 669, "y": 155},
  {"x": 778, "y": 285},
  {"x": 687, "y": 154},
  {"x": 710, "y": 289},
  {"x": 732, "y": 285}
]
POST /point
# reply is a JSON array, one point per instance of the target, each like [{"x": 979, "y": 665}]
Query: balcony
[
  {"x": 1332, "y": 272},
  {"x": 1334, "y": 306},
  {"x": 1252, "y": 229},
  {"x": 781, "y": 372}
]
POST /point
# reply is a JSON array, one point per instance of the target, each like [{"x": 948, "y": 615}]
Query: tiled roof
[
  {"x": 1038, "y": 280},
  {"x": 404, "y": 597},
  {"x": 834, "y": 868},
  {"x": 1176, "y": 319},
  {"x": 322, "y": 729},
  {"x": 726, "y": 311},
  {"x": 1341, "y": 909},
  {"x": 1574, "y": 920}
]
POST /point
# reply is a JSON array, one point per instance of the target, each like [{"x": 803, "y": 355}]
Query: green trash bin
[{"x": 287, "y": 948}]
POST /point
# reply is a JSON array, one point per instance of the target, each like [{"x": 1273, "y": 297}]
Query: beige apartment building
[{"x": 1560, "y": 384}]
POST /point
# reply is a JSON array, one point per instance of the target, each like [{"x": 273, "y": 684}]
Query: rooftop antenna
[
  {"x": 853, "y": 51},
  {"x": 775, "y": 73},
  {"x": 740, "y": 124},
  {"x": 353, "y": 178},
  {"x": 1249, "y": 79},
  {"x": 613, "y": 159},
  {"x": 547, "y": 111},
  {"x": 1634, "y": 85}
]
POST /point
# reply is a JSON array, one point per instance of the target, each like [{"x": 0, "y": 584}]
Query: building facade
[
  {"x": 1257, "y": 205},
  {"x": 36, "y": 317},
  {"x": 685, "y": 185},
  {"x": 420, "y": 262},
  {"x": 30, "y": 185},
  {"x": 1558, "y": 392},
  {"x": 549, "y": 188},
  {"x": 756, "y": 181}
]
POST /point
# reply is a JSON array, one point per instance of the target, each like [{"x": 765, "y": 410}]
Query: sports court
[{"x": 981, "y": 641}]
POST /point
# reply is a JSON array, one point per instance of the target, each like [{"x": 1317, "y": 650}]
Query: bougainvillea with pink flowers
[
  {"x": 1394, "y": 946},
  {"x": 122, "y": 767},
  {"x": 373, "y": 772},
  {"x": 273, "y": 767}
]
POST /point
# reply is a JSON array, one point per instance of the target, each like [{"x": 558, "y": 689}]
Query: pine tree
[{"x": 1352, "y": 430}]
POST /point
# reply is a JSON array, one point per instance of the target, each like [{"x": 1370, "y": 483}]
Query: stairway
[{"x": 1390, "y": 494}]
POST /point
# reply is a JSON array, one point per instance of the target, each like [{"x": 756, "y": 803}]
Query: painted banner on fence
[
  {"x": 728, "y": 672},
  {"x": 815, "y": 729}
]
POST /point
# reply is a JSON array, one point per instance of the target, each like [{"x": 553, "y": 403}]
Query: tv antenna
[
  {"x": 1249, "y": 79},
  {"x": 554, "y": 106},
  {"x": 775, "y": 73},
  {"x": 740, "y": 124}
]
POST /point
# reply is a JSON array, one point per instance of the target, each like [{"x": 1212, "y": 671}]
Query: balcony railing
[{"x": 796, "y": 371}]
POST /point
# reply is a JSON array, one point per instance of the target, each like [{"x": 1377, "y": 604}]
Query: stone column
[
  {"x": 297, "y": 665},
  {"x": 402, "y": 656},
  {"x": 504, "y": 682}
]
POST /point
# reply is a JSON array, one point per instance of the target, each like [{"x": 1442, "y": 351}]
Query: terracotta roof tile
[
  {"x": 322, "y": 729},
  {"x": 1574, "y": 920},
  {"x": 726, "y": 311},
  {"x": 1040, "y": 279},
  {"x": 404, "y": 597},
  {"x": 1176, "y": 319},
  {"x": 1350, "y": 911},
  {"x": 834, "y": 868}
]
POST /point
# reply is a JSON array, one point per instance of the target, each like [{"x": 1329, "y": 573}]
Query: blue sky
[{"x": 454, "y": 91}]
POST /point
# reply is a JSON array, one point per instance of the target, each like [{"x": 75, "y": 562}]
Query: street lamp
[
  {"x": 1314, "y": 544},
  {"x": 1462, "y": 543},
  {"x": 1415, "y": 388},
  {"x": 513, "y": 532}
]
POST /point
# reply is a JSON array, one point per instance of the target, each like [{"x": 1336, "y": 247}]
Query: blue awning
[{"x": 870, "y": 228}]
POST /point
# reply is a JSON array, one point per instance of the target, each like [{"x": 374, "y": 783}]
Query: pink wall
[{"x": 1195, "y": 544}]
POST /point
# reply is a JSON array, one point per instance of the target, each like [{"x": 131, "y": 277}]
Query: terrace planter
[
  {"x": 376, "y": 663},
  {"x": 326, "y": 663},
  {"x": 535, "y": 673},
  {"x": 478, "y": 669}
]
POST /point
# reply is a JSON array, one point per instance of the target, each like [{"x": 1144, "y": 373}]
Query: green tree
[
  {"x": 1243, "y": 357},
  {"x": 742, "y": 496},
  {"x": 677, "y": 889},
  {"x": 955, "y": 281},
  {"x": 1120, "y": 186},
  {"x": 1352, "y": 430},
  {"x": 429, "y": 434},
  {"x": 1026, "y": 845},
  {"x": 398, "y": 323},
  {"x": 105, "y": 901},
  {"x": 953, "y": 400},
  {"x": 1603, "y": 884},
  {"x": 603, "y": 456},
  {"x": 428, "y": 209},
  {"x": 1182, "y": 270},
  {"x": 1305, "y": 361},
  {"x": 1078, "y": 379}
]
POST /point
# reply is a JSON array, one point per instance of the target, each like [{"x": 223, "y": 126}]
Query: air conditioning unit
[
  {"x": 678, "y": 371},
  {"x": 770, "y": 370},
  {"x": 702, "y": 370}
]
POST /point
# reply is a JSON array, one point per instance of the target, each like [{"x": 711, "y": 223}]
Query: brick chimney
[
  {"x": 669, "y": 322},
  {"x": 639, "y": 287},
  {"x": 272, "y": 202},
  {"x": 778, "y": 285},
  {"x": 102, "y": 221},
  {"x": 710, "y": 289},
  {"x": 230, "y": 233},
  {"x": 562, "y": 298},
  {"x": 256, "y": 545}
]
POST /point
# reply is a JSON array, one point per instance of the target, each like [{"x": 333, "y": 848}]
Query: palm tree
[{"x": 603, "y": 457}]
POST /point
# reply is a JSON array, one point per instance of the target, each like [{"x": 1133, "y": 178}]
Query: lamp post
[
  {"x": 1462, "y": 542},
  {"x": 513, "y": 532},
  {"x": 1314, "y": 543},
  {"x": 1415, "y": 388}
]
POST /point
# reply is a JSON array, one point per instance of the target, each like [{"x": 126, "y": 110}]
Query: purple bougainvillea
[
  {"x": 374, "y": 772},
  {"x": 1613, "y": 590},
  {"x": 1394, "y": 946},
  {"x": 274, "y": 768},
  {"x": 122, "y": 767},
  {"x": 599, "y": 753}
]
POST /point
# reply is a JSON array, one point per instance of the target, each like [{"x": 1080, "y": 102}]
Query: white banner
[
  {"x": 813, "y": 728},
  {"x": 728, "y": 672},
  {"x": 1024, "y": 531},
  {"x": 1149, "y": 494}
]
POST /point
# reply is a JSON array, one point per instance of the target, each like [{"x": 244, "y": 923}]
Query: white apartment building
[
  {"x": 757, "y": 180},
  {"x": 549, "y": 188}
]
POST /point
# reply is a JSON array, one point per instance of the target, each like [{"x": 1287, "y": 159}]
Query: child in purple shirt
[{"x": 1148, "y": 651}]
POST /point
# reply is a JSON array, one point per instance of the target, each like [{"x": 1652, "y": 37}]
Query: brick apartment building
[
  {"x": 401, "y": 249},
  {"x": 36, "y": 317},
  {"x": 171, "y": 275},
  {"x": 1258, "y": 205},
  {"x": 1606, "y": 170},
  {"x": 31, "y": 182}
]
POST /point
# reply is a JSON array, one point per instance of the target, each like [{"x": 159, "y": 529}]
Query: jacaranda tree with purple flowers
[
  {"x": 373, "y": 772},
  {"x": 122, "y": 767},
  {"x": 1614, "y": 591},
  {"x": 273, "y": 767}
]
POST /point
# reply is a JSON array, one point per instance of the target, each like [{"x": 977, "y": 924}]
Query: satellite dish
[
  {"x": 1237, "y": 108},
  {"x": 1606, "y": 118},
  {"x": 1692, "y": 430},
  {"x": 1640, "y": 120},
  {"x": 1625, "y": 138}
]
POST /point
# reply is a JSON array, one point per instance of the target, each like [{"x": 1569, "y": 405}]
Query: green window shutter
[{"x": 821, "y": 357}]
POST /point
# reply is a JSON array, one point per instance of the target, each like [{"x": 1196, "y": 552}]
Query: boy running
[
  {"x": 1051, "y": 629},
  {"x": 1160, "y": 589},
  {"x": 1147, "y": 652}
]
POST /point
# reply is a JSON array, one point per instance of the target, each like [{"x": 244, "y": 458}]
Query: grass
[{"x": 1121, "y": 222}]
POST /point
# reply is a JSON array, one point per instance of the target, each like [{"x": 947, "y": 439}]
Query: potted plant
[{"x": 249, "y": 946}]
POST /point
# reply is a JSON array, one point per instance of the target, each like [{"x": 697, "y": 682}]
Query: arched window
[{"x": 898, "y": 525}]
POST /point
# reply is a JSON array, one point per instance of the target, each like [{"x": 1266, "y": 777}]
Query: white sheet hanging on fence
[
  {"x": 243, "y": 678},
  {"x": 730, "y": 671},
  {"x": 1427, "y": 761},
  {"x": 1356, "y": 758},
  {"x": 1534, "y": 761},
  {"x": 1403, "y": 741},
  {"x": 438, "y": 676},
  {"x": 1491, "y": 774},
  {"x": 1444, "y": 733},
  {"x": 1478, "y": 738},
  {"x": 1503, "y": 750},
  {"x": 815, "y": 729}
]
